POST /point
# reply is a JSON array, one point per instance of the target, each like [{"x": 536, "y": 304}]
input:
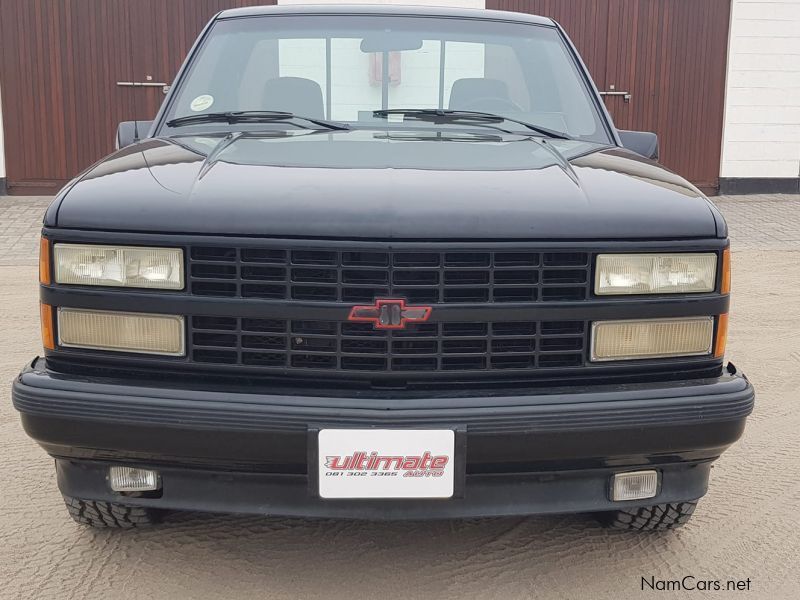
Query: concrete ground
[{"x": 746, "y": 527}]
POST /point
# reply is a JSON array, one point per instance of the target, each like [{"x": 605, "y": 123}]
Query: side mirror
[
  {"x": 641, "y": 142},
  {"x": 130, "y": 132}
]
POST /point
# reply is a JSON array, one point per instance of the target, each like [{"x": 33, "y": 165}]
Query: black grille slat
[
  {"x": 366, "y": 277},
  {"x": 314, "y": 293},
  {"x": 560, "y": 344},
  {"x": 264, "y": 359},
  {"x": 206, "y": 271},
  {"x": 562, "y": 327},
  {"x": 417, "y": 277},
  {"x": 218, "y": 289},
  {"x": 361, "y": 276},
  {"x": 417, "y": 259},
  {"x": 214, "y": 340},
  {"x": 562, "y": 293},
  {"x": 468, "y": 295},
  {"x": 363, "y": 363},
  {"x": 313, "y": 361},
  {"x": 361, "y": 346},
  {"x": 514, "y": 328},
  {"x": 464, "y": 329},
  {"x": 464, "y": 346},
  {"x": 467, "y": 259},
  {"x": 410, "y": 346},
  {"x": 314, "y": 327},
  {"x": 463, "y": 363},
  {"x": 419, "y": 295},
  {"x": 263, "y": 342},
  {"x": 213, "y": 253},
  {"x": 516, "y": 259},
  {"x": 223, "y": 357},
  {"x": 263, "y": 325},
  {"x": 363, "y": 294},
  {"x": 314, "y": 257},
  {"x": 470, "y": 277},
  {"x": 523, "y": 344},
  {"x": 267, "y": 292},
  {"x": 302, "y": 345},
  {"x": 351, "y": 275},
  {"x": 565, "y": 259},
  {"x": 427, "y": 363},
  {"x": 263, "y": 255},
  {"x": 214, "y": 323},
  {"x": 262, "y": 273},
  {"x": 361, "y": 330},
  {"x": 513, "y": 362},
  {"x": 559, "y": 360},
  {"x": 365, "y": 259},
  {"x": 516, "y": 276},
  {"x": 514, "y": 294}
]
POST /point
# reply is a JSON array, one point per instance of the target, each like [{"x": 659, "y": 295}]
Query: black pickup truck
[{"x": 383, "y": 263}]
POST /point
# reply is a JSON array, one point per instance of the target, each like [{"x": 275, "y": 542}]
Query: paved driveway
[{"x": 746, "y": 527}]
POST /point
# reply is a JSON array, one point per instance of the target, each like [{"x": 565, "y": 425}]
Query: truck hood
[{"x": 384, "y": 185}]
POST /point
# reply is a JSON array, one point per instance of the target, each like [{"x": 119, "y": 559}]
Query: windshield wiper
[
  {"x": 439, "y": 115},
  {"x": 253, "y": 116}
]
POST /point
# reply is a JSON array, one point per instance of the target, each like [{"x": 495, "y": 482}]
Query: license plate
[{"x": 386, "y": 463}]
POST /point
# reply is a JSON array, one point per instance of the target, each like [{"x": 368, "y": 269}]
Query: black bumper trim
[
  {"x": 38, "y": 393},
  {"x": 288, "y": 495},
  {"x": 176, "y": 302}
]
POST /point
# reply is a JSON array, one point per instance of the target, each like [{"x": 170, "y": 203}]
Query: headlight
[
  {"x": 121, "y": 332},
  {"x": 119, "y": 266},
  {"x": 651, "y": 338},
  {"x": 655, "y": 273}
]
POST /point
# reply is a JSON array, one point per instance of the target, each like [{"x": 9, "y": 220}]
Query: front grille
[
  {"x": 423, "y": 347},
  {"x": 355, "y": 276}
]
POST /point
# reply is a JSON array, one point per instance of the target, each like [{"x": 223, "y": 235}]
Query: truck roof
[{"x": 373, "y": 9}]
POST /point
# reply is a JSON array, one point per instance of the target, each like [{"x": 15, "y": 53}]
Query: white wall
[
  {"x": 762, "y": 106},
  {"x": 459, "y": 3}
]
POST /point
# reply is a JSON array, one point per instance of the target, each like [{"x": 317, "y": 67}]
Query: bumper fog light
[
  {"x": 121, "y": 332},
  {"x": 651, "y": 338},
  {"x": 634, "y": 485},
  {"x": 129, "y": 479}
]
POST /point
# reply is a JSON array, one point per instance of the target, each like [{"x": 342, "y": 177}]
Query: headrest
[
  {"x": 294, "y": 94},
  {"x": 468, "y": 89}
]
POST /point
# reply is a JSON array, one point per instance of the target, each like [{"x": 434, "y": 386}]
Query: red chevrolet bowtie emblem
[{"x": 389, "y": 314}]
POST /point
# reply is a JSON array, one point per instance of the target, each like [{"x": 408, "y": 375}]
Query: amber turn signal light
[
  {"x": 48, "y": 330},
  {"x": 44, "y": 261},
  {"x": 722, "y": 336},
  {"x": 725, "y": 286}
]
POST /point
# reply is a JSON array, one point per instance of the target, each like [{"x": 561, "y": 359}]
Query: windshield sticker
[{"x": 202, "y": 103}]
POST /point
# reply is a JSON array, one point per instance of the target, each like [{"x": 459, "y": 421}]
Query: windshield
[{"x": 344, "y": 68}]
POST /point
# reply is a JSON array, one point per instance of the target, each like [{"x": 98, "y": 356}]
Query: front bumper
[{"x": 231, "y": 450}]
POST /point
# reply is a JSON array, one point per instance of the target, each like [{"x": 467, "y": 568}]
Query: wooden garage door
[
  {"x": 60, "y": 64},
  {"x": 668, "y": 55}
]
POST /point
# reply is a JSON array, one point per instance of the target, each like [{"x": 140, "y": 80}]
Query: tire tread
[
  {"x": 96, "y": 513},
  {"x": 650, "y": 518}
]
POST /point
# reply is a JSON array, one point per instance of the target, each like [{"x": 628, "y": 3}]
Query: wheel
[
  {"x": 110, "y": 514},
  {"x": 660, "y": 516}
]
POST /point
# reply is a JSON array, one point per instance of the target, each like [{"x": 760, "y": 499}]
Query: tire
[
  {"x": 110, "y": 514},
  {"x": 649, "y": 518}
]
